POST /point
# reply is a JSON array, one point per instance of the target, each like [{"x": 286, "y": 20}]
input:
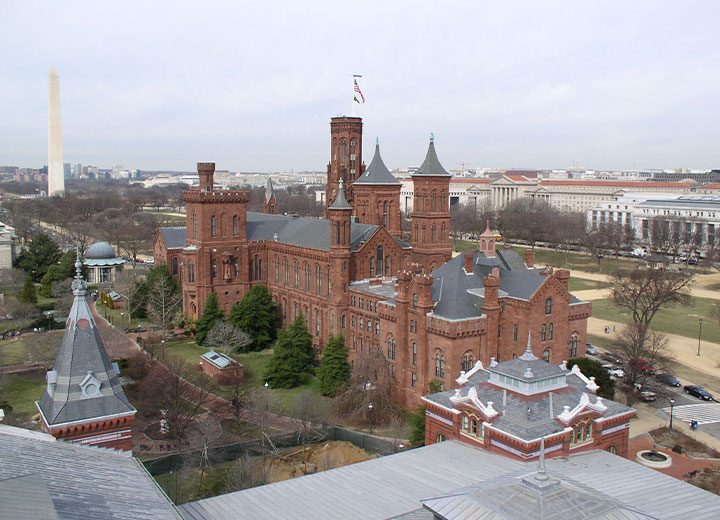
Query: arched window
[
  {"x": 388, "y": 271},
  {"x": 174, "y": 265},
  {"x": 361, "y": 323},
  {"x": 439, "y": 364},
  {"x": 468, "y": 361},
  {"x": 391, "y": 348},
  {"x": 424, "y": 235},
  {"x": 260, "y": 269},
  {"x": 213, "y": 226},
  {"x": 546, "y": 355},
  {"x": 433, "y": 233},
  {"x": 385, "y": 214},
  {"x": 377, "y": 328},
  {"x": 414, "y": 353},
  {"x": 548, "y": 306},
  {"x": 573, "y": 344},
  {"x": 543, "y": 332},
  {"x": 417, "y": 233},
  {"x": 343, "y": 154},
  {"x": 412, "y": 326},
  {"x": 213, "y": 267},
  {"x": 337, "y": 232},
  {"x": 380, "y": 260},
  {"x": 443, "y": 232},
  {"x": 515, "y": 332},
  {"x": 329, "y": 279},
  {"x": 612, "y": 449},
  {"x": 235, "y": 225},
  {"x": 236, "y": 269},
  {"x": 307, "y": 276},
  {"x": 317, "y": 322},
  {"x": 277, "y": 269},
  {"x": 414, "y": 300},
  {"x": 194, "y": 225},
  {"x": 318, "y": 279},
  {"x": 296, "y": 270},
  {"x": 440, "y": 438},
  {"x": 433, "y": 201},
  {"x": 287, "y": 272},
  {"x": 551, "y": 330},
  {"x": 372, "y": 266},
  {"x": 342, "y": 321}
]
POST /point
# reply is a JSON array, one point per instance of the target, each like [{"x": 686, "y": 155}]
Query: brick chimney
[
  {"x": 206, "y": 172},
  {"x": 563, "y": 276},
  {"x": 529, "y": 257},
  {"x": 469, "y": 262}
]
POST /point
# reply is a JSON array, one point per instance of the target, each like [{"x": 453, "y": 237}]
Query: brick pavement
[{"x": 681, "y": 463}]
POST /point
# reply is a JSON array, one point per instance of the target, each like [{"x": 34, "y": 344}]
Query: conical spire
[
  {"x": 340, "y": 201},
  {"x": 431, "y": 165},
  {"x": 83, "y": 385},
  {"x": 528, "y": 354},
  {"x": 377, "y": 172},
  {"x": 269, "y": 191}
]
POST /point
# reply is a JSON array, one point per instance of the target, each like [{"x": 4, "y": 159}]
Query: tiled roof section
[
  {"x": 377, "y": 172},
  {"x": 44, "y": 478},
  {"x": 305, "y": 232},
  {"x": 616, "y": 184},
  {"x": 431, "y": 165},
  {"x": 712, "y": 186},
  {"x": 82, "y": 355},
  {"x": 174, "y": 236},
  {"x": 527, "y": 417},
  {"x": 470, "y": 180}
]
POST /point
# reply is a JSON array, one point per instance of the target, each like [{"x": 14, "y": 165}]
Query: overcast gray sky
[{"x": 252, "y": 85}]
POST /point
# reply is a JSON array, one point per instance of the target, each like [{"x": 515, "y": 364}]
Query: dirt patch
[
  {"x": 707, "y": 479},
  {"x": 668, "y": 438},
  {"x": 299, "y": 461}
]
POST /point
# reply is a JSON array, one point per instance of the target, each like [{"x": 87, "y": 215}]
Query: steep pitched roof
[
  {"x": 174, "y": 236},
  {"x": 340, "y": 201},
  {"x": 377, "y": 172},
  {"x": 83, "y": 384},
  {"x": 431, "y": 165}
]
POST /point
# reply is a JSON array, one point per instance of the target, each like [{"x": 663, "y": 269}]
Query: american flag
[{"x": 357, "y": 89}]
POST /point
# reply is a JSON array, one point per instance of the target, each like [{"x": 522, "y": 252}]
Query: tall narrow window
[
  {"x": 174, "y": 265},
  {"x": 515, "y": 332},
  {"x": 277, "y": 269},
  {"x": 235, "y": 225},
  {"x": 194, "y": 225},
  {"x": 287, "y": 272},
  {"x": 433, "y": 201},
  {"x": 573, "y": 344},
  {"x": 551, "y": 330},
  {"x": 443, "y": 232},
  {"x": 440, "y": 364},
  {"x": 318, "y": 280},
  {"x": 337, "y": 232},
  {"x": 213, "y": 226},
  {"x": 385, "y": 214},
  {"x": 296, "y": 272},
  {"x": 548, "y": 306},
  {"x": 380, "y": 260},
  {"x": 417, "y": 233},
  {"x": 433, "y": 233},
  {"x": 543, "y": 332},
  {"x": 414, "y": 353},
  {"x": 388, "y": 271},
  {"x": 546, "y": 355},
  {"x": 307, "y": 276},
  {"x": 214, "y": 269},
  {"x": 372, "y": 266},
  {"x": 317, "y": 322}
]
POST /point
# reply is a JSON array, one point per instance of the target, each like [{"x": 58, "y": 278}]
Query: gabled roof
[
  {"x": 174, "y": 236},
  {"x": 44, "y": 478},
  {"x": 82, "y": 357},
  {"x": 431, "y": 165},
  {"x": 377, "y": 172}
]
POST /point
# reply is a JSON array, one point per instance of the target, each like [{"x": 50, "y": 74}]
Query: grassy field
[
  {"x": 12, "y": 352},
  {"x": 679, "y": 320},
  {"x": 582, "y": 284},
  {"x": 119, "y": 317},
  {"x": 21, "y": 392}
]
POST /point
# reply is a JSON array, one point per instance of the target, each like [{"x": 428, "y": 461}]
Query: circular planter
[{"x": 653, "y": 459}]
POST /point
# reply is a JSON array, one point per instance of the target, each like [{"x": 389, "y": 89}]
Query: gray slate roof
[
  {"x": 377, "y": 172},
  {"x": 174, "y": 236},
  {"x": 82, "y": 355},
  {"x": 340, "y": 201},
  {"x": 431, "y": 165},
  {"x": 395, "y": 486},
  {"x": 41, "y": 478}
]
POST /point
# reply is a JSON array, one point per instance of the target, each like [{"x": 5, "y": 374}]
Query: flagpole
[{"x": 352, "y": 99}]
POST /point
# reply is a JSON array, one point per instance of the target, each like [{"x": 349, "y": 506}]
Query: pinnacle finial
[
  {"x": 377, "y": 141},
  {"x": 432, "y": 137},
  {"x": 78, "y": 262},
  {"x": 541, "y": 475}
]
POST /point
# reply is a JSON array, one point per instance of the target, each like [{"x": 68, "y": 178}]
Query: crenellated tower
[
  {"x": 430, "y": 228},
  {"x": 345, "y": 157},
  {"x": 377, "y": 196}
]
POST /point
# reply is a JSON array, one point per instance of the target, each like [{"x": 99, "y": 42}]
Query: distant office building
[
  {"x": 77, "y": 170},
  {"x": 67, "y": 170}
]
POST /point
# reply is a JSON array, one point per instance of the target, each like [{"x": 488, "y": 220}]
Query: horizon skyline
[{"x": 606, "y": 87}]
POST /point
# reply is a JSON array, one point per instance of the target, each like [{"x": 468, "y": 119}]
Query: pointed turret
[
  {"x": 377, "y": 172},
  {"x": 270, "y": 200},
  {"x": 340, "y": 201},
  {"x": 84, "y": 401},
  {"x": 431, "y": 165}
]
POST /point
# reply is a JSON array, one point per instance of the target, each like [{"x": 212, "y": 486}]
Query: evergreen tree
[
  {"x": 590, "y": 367},
  {"x": 28, "y": 294},
  {"x": 417, "y": 427},
  {"x": 41, "y": 254},
  {"x": 257, "y": 315},
  {"x": 334, "y": 371},
  {"x": 211, "y": 315},
  {"x": 292, "y": 361}
]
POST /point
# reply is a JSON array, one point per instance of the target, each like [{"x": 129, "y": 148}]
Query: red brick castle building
[{"x": 353, "y": 273}]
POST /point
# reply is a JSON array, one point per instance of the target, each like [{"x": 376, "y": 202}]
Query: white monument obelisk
[{"x": 56, "y": 172}]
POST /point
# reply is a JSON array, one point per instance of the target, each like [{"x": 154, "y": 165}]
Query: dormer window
[{"x": 90, "y": 386}]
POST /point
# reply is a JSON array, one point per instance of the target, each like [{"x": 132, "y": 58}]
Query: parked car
[
  {"x": 699, "y": 392},
  {"x": 644, "y": 366},
  {"x": 591, "y": 350},
  {"x": 614, "y": 371},
  {"x": 647, "y": 396},
  {"x": 668, "y": 379},
  {"x": 611, "y": 358}
]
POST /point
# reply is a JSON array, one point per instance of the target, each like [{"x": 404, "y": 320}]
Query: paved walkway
[{"x": 699, "y": 289}]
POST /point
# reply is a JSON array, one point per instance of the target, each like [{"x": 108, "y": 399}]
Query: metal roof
[
  {"x": 45, "y": 479},
  {"x": 394, "y": 487},
  {"x": 431, "y": 165},
  {"x": 377, "y": 172}
]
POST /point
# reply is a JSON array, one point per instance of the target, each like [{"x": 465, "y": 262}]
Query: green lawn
[
  {"x": 46, "y": 304},
  {"x": 12, "y": 352},
  {"x": 119, "y": 317},
  {"x": 21, "y": 391},
  {"x": 582, "y": 284},
  {"x": 675, "y": 320}
]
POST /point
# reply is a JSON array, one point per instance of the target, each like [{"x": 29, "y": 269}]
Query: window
[
  {"x": 465, "y": 423},
  {"x": 307, "y": 276},
  {"x": 214, "y": 269},
  {"x": 296, "y": 268},
  {"x": 414, "y": 354},
  {"x": 433, "y": 232},
  {"x": 191, "y": 272},
  {"x": 573, "y": 344},
  {"x": 443, "y": 232},
  {"x": 287, "y": 272},
  {"x": 213, "y": 226},
  {"x": 391, "y": 348},
  {"x": 194, "y": 225},
  {"x": 317, "y": 322},
  {"x": 174, "y": 263},
  {"x": 543, "y": 332},
  {"x": 372, "y": 266},
  {"x": 318, "y": 279},
  {"x": 342, "y": 321},
  {"x": 380, "y": 262},
  {"x": 362, "y": 322},
  {"x": 515, "y": 332},
  {"x": 352, "y": 321},
  {"x": 235, "y": 225},
  {"x": 413, "y": 379},
  {"x": 377, "y": 328},
  {"x": 337, "y": 232},
  {"x": 548, "y": 306},
  {"x": 369, "y": 325},
  {"x": 414, "y": 300},
  {"x": 277, "y": 269},
  {"x": 440, "y": 364},
  {"x": 440, "y": 438},
  {"x": 388, "y": 271},
  {"x": 546, "y": 355},
  {"x": 468, "y": 361},
  {"x": 612, "y": 449},
  {"x": 551, "y": 330},
  {"x": 412, "y": 326}
]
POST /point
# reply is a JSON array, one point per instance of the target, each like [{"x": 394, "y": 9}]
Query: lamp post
[
  {"x": 672, "y": 403},
  {"x": 699, "y": 336},
  {"x": 370, "y": 409}
]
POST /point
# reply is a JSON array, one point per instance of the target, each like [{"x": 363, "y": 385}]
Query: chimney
[
  {"x": 206, "y": 173},
  {"x": 529, "y": 257},
  {"x": 495, "y": 273},
  {"x": 469, "y": 262},
  {"x": 563, "y": 276}
]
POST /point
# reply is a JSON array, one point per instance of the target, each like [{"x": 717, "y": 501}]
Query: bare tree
[
  {"x": 227, "y": 338},
  {"x": 18, "y": 312},
  {"x": 163, "y": 303},
  {"x": 371, "y": 383},
  {"x": 43, "y": 348},
  {"x": 258, "y": 413},
  {"x": 310, "y": 412},
  {"x": 247, "y": 472},
  {"x": 153, "y": 344},
  {"x": 660, "y": 235},
  {"x": 137, "y": 233},
  {"x": 128, "y": 283},
  {"x": 11, "y": 280}
]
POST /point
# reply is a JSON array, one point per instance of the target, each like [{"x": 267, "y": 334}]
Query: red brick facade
[
  {"x": 345, "y": 156},
  {"x": 111, "y": 432}
]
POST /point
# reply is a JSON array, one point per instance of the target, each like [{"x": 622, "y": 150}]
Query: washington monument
[{"x": 56, "y": 173}]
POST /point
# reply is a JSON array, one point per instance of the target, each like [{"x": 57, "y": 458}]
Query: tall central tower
[
  {"x": 345, "y": 157},
  {"x": 56, "y": 172}
]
